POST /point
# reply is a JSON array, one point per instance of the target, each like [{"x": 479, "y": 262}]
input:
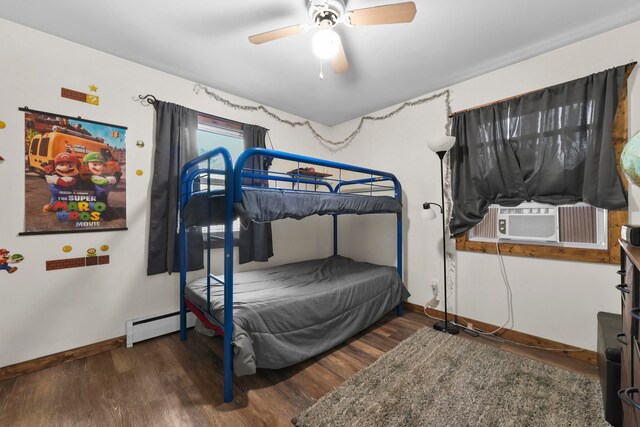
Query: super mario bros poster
[{"x": 75, "y": 174}]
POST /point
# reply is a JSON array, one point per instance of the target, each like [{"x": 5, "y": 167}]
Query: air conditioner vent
[{"x": 533, "y": 222}]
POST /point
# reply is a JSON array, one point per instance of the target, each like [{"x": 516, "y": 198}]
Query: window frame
[{"x": 611, "y": 255}]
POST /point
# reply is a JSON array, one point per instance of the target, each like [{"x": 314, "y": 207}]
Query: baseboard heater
[{"x": 155, "y": 326}]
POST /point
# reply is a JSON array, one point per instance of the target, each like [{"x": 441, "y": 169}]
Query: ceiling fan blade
[
  {"x": 387, "y": 14},
  {"x": 277, "y": 34},
  {"x": 339, "y": 61}
]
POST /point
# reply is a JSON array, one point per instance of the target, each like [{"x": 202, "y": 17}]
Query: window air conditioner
[{"x": 535, "y": 222}]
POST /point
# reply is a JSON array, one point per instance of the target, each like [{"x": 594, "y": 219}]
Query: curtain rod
[
  {"x": 633, "y": 63},
  {"x": 150, "y": 99}
]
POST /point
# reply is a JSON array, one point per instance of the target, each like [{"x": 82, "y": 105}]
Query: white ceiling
[{"x": 206, "y": 41}]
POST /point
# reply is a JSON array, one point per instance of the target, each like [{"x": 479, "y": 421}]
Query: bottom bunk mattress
[{"x": 283, "y": 315}]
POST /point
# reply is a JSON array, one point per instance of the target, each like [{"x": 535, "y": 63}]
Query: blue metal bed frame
[{"x": 189, "y": 179}]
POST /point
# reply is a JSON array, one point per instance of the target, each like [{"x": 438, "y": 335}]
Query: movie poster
[{"x": 75, "y": 176}]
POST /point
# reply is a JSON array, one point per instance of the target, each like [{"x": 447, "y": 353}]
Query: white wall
[
  {"x": 557, "y": 300},
  {"x": 45, "y": 312}
]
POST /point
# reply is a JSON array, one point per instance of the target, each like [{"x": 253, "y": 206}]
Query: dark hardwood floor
[{"x": 166, "y": 382}]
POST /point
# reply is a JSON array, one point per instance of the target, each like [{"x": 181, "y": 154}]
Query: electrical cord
[
  {"x": 505, "y": 278},
  {"x": 510, "y": 316}
]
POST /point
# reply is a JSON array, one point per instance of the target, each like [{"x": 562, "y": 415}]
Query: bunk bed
[{"x": 285, "y": 314}]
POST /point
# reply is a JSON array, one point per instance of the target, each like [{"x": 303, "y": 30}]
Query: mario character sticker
[
  {"x": 8, "y": 261},
  {"x": 75, "y": 176}
]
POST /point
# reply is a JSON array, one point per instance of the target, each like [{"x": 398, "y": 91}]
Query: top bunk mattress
[{"x": 270, "y": 204}]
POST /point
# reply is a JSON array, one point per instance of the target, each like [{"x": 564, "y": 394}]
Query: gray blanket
[
  {"x": 270, "y": 204},
  {"x": 286, "y": 314}
]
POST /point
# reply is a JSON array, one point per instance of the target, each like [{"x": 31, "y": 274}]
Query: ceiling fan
[{"x": 326, "y": 14}]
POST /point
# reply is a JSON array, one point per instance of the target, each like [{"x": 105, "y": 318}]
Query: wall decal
[
  {"x": 79, "y": 96},
  {"x": 66, "y": 249},
  {"x": 8, "y": 262},
  {"x": 93, "y": 88},
  {"x": 1, "y": 158},
  {"x": 2, "y": 124},
  {"x": 91, "y": 252},
  {"x": 74, "y": 174},
  {"x": 104, "y": 248},
  {"x": 140, "y": 144},
  {"x": 60, "y": 264},
  {"x": 139, "y": 172}
]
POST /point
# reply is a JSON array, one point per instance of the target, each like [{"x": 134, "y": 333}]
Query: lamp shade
[
  {"x": 441, "y": 144},
  {"x": 326, "y": 43},
  {"x": 428, "y": 214}
]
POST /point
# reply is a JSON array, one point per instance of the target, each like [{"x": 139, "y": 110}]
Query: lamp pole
[
  {"x": 443, "y": 326},
  {"x": 440, "y": 147}
]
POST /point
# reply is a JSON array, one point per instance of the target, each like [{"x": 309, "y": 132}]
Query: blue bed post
[
  {"x": 183, "y": 261},
  {"x": 335, "y": 234},
  {"x": 398, "y": 195},
  {"x": 399, "y": 241},
  {"x": 228, "y": 277}
]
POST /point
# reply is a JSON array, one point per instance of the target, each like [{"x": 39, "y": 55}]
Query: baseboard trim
[
  {"x": 44, "y": 362},
  {"x": 515, "y": 336}
]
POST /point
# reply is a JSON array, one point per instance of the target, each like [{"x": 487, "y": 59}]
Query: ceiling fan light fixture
[{"x": 326, "y": 43}]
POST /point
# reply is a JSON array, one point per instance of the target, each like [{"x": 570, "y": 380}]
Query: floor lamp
[{"x": 440, "y": 147}]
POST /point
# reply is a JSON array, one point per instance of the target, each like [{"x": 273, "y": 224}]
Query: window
[
  {"x": 573, "y": 226},
  {"x": 43, "y": 151},
  {"x": 212, "y": 133},
  {"x": 546, "y": 138},
  {"x": 107, "y": 154},
  {"x": 33, "y": 150}
]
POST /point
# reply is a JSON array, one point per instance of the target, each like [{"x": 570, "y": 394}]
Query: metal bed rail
[
  {"x": 375, "y": 177},
  {"x": 241, "y": 171}
]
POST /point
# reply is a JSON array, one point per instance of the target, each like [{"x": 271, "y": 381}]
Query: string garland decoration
[{"x": 330, "y": 143}]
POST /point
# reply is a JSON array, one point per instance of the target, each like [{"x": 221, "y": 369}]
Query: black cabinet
[{"x": 630, "y": 356}]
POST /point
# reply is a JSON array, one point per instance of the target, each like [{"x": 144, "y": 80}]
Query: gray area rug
[{"x": 436, "y": 379}]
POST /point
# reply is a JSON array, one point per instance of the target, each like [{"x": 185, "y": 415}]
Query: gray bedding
[
  {"x": 270, "y": 204},
  {"x": 286, "y": 314}
]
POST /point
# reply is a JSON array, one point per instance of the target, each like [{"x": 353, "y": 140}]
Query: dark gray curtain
[
  {"x": 551, "y": 146},
  {"x": 175, "y": 144},
  {"x": 256, "y": 242}
]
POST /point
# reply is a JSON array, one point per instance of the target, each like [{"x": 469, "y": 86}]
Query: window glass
[
  {"x": 44, "y": 147},
  {"x": 211, "y": 137},
  {"x": 33, "y": 149},
  {"x": 106, "y": 154}
]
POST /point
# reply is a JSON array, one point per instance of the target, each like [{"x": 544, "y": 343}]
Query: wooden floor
[{"x": 165, "y": 382}]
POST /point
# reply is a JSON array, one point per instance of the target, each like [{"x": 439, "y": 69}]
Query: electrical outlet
[
  {"x": 470, "y": 326},
  {"x": 435, "y": 286}
]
